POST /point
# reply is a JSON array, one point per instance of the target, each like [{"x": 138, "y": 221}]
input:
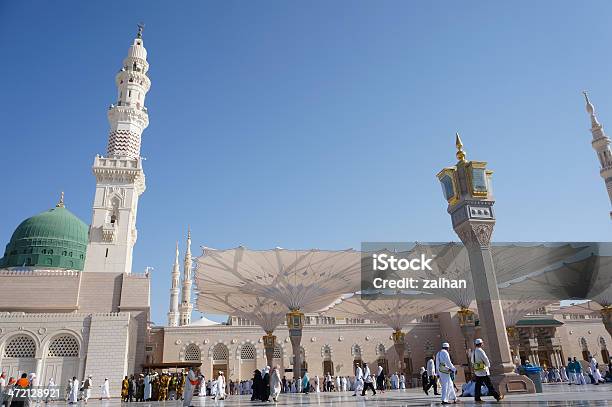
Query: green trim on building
[
  {"x": 55, "y": 239},
  {"x": 539, "y": 322}
]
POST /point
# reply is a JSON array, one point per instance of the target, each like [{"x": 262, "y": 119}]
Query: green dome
[{"x": 54, "y": 239}]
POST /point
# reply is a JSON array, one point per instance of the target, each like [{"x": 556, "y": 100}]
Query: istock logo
[{"x": 383, "y": 262}]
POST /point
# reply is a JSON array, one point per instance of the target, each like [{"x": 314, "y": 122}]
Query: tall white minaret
[
  {"x": 186, "y": 305},
  {"x": 601, "y": 145},
  {"x": 173, "y": 314},
  {"x": 120, "y": 179}
]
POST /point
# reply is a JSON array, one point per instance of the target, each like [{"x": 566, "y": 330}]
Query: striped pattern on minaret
[
  {"x": 601, "y": 145},
  {"x": 186, "y": 306},
  {"x": 173, "y": 314},
  {"x": 128, "y": 117}
]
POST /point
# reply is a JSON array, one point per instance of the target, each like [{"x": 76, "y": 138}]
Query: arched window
[
  {"x": 326, "y": 352},
  {"x": 21, "y": 346},
  {"x": 247, "y": 352},
  {"x": 220, "y": 352},
  {"x": 63, "y": 346},
  {"x": 192, "y": 352},
  {"x": 278, "y": 352},
  {"x": 584, "y": 346}
]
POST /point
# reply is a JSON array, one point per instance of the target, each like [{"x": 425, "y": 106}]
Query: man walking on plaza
[
  {"x": 481, "y": 365},
  {"x": 358, "y": 385},
  {"x": 431, "y": 374},
  {"x": 367, "y": 378},
  {"x": 445, "y": 368}
]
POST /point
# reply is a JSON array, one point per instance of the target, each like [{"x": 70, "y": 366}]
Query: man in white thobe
[
  {"x": 190, "y": 383},
  {"x": 338, "y": 384},
  {"x": 481, "y": 365},
  {"x": 316, "y": 384},
  {"x": 595, "y": 370},
  {"x": 358, "y": 380},
  {"x": 402, "y": 381},
  {"x": 148, "y": 388},
  {"x": 344, "y": 383},
  {"x": 87, "y": 383},
  {"x": 275, "y": 383},
  {"x": 220, "y": 394},
  {"x": 445, "y": 368},
  {"x": 73, "y": 397},
  {"x": 433, "y": 377},
  {"x": 104, "y": 390}
]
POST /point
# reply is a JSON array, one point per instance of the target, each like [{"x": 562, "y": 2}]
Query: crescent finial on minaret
[
  {"x": 141, "y": 27},
  {"x": 460, "y": 153},
  {"x": 589, "y": 106},
  {"x": 60, "y": 204}
]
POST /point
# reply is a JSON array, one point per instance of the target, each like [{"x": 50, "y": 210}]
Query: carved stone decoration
[
  {"x": 42, "y": 331},
  {"x": 475, "y": 233}
]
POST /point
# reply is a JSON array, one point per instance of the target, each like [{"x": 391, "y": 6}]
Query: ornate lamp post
[
  {"x": 467, "y": 189},
  {"x": 269, "y": 342},
  {"x": 295, "y": 324}
]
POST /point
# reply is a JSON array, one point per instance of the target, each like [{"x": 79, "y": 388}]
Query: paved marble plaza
[{"x": 554, "y": 395}]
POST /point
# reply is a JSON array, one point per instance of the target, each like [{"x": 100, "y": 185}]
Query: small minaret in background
[
  {"x": 186, "y": 305},
  {"x": 173, "y": 314},
  {"x": 601, "y": 145}
]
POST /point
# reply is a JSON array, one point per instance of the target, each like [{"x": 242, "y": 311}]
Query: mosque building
[{"x": 69, "y": 295}]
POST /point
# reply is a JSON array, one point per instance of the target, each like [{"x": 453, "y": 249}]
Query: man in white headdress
[
  {"x": 445, "y": 368},
  {"x": 358, "y": 380},
  {"x": 344, "y": 382},
  {"x": 275, "y": 383},
  {"x": 191, "y": 382},
  {"x": 402, "y": 381},
  {"x": 104, "y": 390},
  {"x": 481, "y": 365},
  {"x": 73, "y": 396},
  {"x": 338, "y": 384},
  {"x": 148, "y": 388},
  {"x": 316, "y": 384}
]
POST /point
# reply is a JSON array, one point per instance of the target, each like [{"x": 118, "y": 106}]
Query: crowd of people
[{"x": 268, "y": 384}]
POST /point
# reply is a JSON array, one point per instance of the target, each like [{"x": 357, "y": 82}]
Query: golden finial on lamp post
[{"x": 460, "y": 153}]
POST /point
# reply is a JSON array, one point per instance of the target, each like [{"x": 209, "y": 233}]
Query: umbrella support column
[
  {"x": 269, "y": 341},
  {"x": 295, "y": 323},
  {"x": 606, "y": 316},
  {"x": 467, "y": 325},
  {"x": 399, "y": 343}
]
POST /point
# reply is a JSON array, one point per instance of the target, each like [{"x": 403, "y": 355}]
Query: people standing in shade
[
  {"x": 432, "y": 377},
  {"x": 481, "y": 365},
  {"x": 358, "y": 386},
  {"x": 445, "y": 368},
  {"x": 367, "y": 380}
]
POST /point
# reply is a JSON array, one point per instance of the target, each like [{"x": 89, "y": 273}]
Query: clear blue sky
[{"x": 310, "y": 124}]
